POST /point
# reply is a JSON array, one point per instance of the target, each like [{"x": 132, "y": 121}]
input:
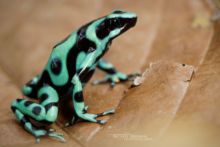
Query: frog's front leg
[
  {"x": 79, "y": 105},
  {"x": 46, "y": 111},
  {"x": 113, "y": 76}
]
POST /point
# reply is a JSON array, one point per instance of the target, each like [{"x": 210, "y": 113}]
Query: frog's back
[
  {"x": 65, "y": 60},
  {"x": 61, "y": 65}
]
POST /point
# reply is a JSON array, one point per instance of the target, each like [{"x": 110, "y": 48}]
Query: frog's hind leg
[
  {"x": 46, "y": 111},
  {"x": 30, "y": 89}
]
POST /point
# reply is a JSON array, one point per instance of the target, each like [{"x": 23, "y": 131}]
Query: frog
[{"x": 70, "y": 66}]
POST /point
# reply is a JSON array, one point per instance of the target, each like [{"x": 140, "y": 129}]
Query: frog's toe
[
  {"x": 73, "y": 120},
  {"x": 110, "y": 111},
  {"x": 53, "y": 134},
  {"x": 109, "y": 79},
  {"x": 57, "y": 136},
  {"x": 101, "y": 122},
  {"x": 67, "y": 124},
  {"x": 51, "y": 130},
  {"x": 132, "y": 76},
  {"x": 37, "y": 140},
  {"x": 97, "y": 82},
  {"x": 112, "y": 84},
  {"x": 93, "y": 117}
]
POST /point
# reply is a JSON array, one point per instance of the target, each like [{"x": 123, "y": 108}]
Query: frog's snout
[{"x": 133, "y": 22}]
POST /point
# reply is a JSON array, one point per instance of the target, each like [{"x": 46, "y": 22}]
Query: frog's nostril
[{"x": 133, "y": 21}]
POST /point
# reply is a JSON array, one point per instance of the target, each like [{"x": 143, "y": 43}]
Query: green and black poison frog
[{"x": 70, "y": 66}]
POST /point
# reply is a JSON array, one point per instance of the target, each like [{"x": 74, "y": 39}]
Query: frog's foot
[
  {"x": 75, "y": 118},
  {"x": 116, "y": 78},
  {"x": 56, "y": 135},
  {"x": 34, "y": 130},
  {"x": 51, "y": 133},
  {"x": 73, "y": 121},
  {"x": 92, "y": 117}
]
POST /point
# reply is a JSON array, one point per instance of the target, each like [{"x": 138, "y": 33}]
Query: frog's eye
[{"x": 117, "y": 22}]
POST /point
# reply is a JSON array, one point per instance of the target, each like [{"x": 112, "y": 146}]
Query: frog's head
[
  {"x": 99, "y": 33},
  {"x": 114, "y": 24}
]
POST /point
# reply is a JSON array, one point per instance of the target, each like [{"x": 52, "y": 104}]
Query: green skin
[{"x": 70, "y": 66}]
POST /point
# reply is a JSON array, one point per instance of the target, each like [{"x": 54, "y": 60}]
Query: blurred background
[{"x": 176, "y": 43}]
